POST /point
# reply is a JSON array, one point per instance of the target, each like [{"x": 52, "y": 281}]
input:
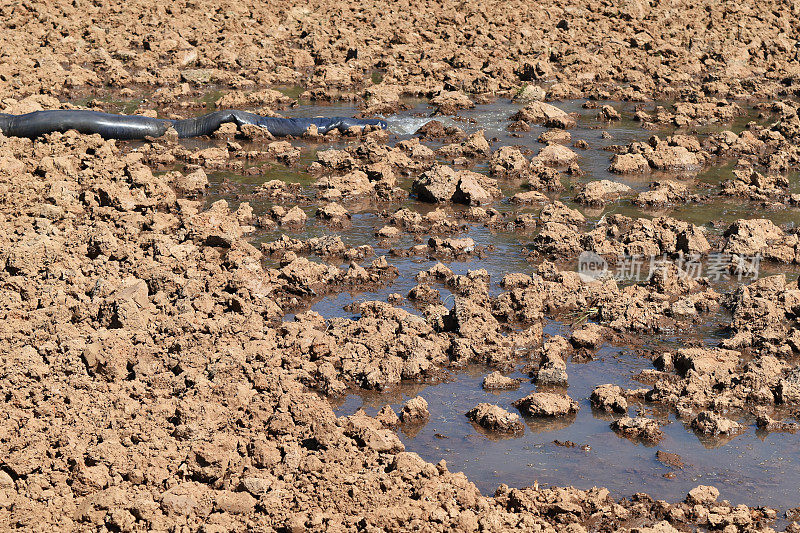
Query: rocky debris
[
  {"x": 543, "y": 178},
  {"x": 719, "y": 379},
  {"x": 333, "y": 213},
  {"x": 545, "y": 114},
  {"x": 475, "y": 145},
  {"x": 640, "y": 429},
  {"x": 443, "y": 184},
  {"x": 474, "y": 284},
  {"x": 546, "y": 404},
  {"x": 703, "y": 495},
  {"x": 518, "y": 126},
  {"x": 192, "y": 184},
  {"x": 415, "y": 411},
  {"x": 555, "y": 155},
  {"x": 552, "y": 366},
  {"x": 332, "y": 159},
  {"x": 383, "y": 98},
  {"x": 279, "y": 190},
  {"x": 299, "y": 276},
  {"x": 388, "y": 232},
  {"x": 749, "y": 183},
  {"x": 437, "y": 185},
  {"x": 529, "y": 197},
  {"x": 494, "y": 418},
  {"x": 438, "y": 272},
  {"x": 368, "y": 433},
  {"x": 497, "y": 381},
  {"x": 608, "y": 112},
  {"x": 663, "y": 192},
  {"x": 687, "y": 113},
  {"x": 508, "y": 162},
  {"x": 451, "y": 247},
  {"x": 439, "y": 220},
  {"x": 597, "y": 193},
  {"x": 560, "y": 213},
  {"x": 618, "y": 235},
  {"x": 292, "y": 217},
  {"x": 352, "y": 184},
  {"x": 559, "y": 292},
  {"x": 434, "y": 129},
  {"x": 556, "y": 239},
  {"x": 717, "y": 362},
  {"x": 213, "y": 227},
  {"x": 239, "y": 99},
  {"x": 679, "y": 153},
  {"x": 710, "y": 423},
  {"x": 475, "y": 189},
  {"x": 555, "y": 136},
  {"x": 325, "y": 246},
  {"x": 755, "y": 383},
  {"x": 480, "y": 338},
  {"x": 449, "y": 102},
  {"x": 387, "y": 417},
  {"x": 767, "y": 423},
  {"x": 610, "y": 398},
  {"x": 356, "y": 353},
  {"x": 673, "y": 158},
  {"x": 529, "y": 93},
  {"x": 750, "y": 237},
  {"x": 629, "y": 164},
  {"x": 588, "y": 336},
  {"x": 424, "y": 293}
]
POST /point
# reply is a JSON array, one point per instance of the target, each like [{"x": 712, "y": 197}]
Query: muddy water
[{"x": 753, "y": 468}]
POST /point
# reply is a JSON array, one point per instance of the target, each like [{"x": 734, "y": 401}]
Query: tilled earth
[{"x": 181, "y": 316}]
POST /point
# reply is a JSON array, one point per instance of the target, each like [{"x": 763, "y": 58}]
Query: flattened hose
[{"x": 128, "y": 127}]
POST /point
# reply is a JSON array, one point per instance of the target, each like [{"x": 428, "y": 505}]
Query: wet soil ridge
[{"x": 165, "y": 363}]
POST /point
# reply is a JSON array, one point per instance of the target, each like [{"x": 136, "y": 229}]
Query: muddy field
[{"x": 559, "y": 292}]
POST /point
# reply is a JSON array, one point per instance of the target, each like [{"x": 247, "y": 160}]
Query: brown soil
[{"x": 151, "y": 379}]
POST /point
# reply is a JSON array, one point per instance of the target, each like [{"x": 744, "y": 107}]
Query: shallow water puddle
[{"x": 582, "y": 450}]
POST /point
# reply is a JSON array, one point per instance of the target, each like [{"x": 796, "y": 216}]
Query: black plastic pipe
[{"x": 110, "y": 126}]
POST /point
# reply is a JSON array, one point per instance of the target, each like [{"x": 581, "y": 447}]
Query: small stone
[
  {"x": 639, "y": 428},
  {"x": 597, "y": 193},
  {"x": 529, "y": 197},
  {"x": 710, "y": 423},
  {"x": 629, "y": 164},
  {"x": 702, "y": 495},
  {"x": 388, "y": 232},
  {"x": 333, "y": 212},
  {"x": 546, "y": 404},
  {"x": 495, "y": 418},
  {"x": 556, "y": 155},
  {"x": 415, "y": 411},
  {"x": 387, "y": 417},
  {"x": 609, "y": 113},
  {"x": 589, "y": 336},
  {"x": 294, "y": 217},
  {"x": 555, "y": 136},
  {"x": 497, "y": 381},
  {"x": 436, "y": 185},
  {"x": 609, "y": 398}
]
